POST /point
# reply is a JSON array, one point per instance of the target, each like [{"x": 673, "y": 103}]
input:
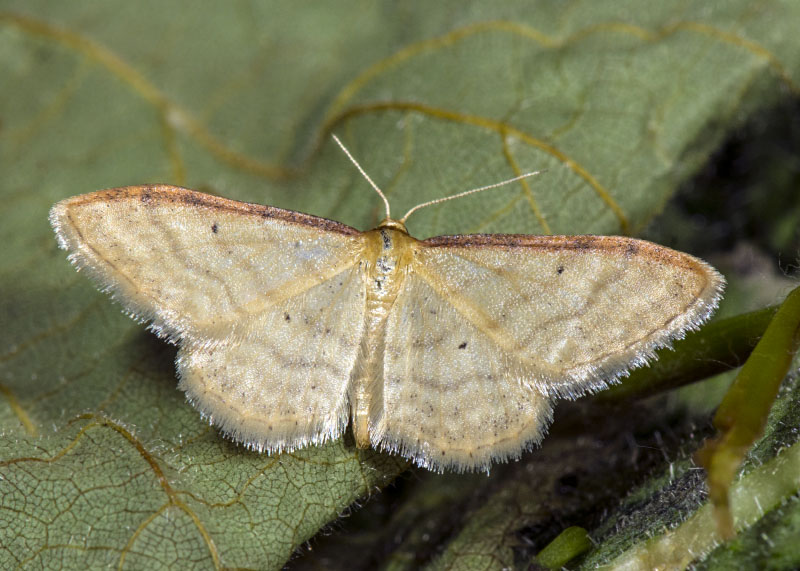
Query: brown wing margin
[
  {"x": 184, "y": 196},
  {"x": 611, "y": 244}
]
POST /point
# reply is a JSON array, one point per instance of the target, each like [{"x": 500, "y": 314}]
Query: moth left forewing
[
  {"x": 195, "y": 265},
  {"x": 571, "y": 313}
]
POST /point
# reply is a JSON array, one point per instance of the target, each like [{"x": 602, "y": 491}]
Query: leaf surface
[{"x": 102, "y": 462}]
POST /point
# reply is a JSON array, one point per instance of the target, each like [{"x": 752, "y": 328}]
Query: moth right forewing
[{"x": 575, "y": 312}]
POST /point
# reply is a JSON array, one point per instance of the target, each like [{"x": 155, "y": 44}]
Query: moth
[{"x": 449, "y": 351}]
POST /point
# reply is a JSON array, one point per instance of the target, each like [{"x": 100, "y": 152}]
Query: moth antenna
[
  {"x": 467, "y": 192},
  {"x": 364, "y": 174}
]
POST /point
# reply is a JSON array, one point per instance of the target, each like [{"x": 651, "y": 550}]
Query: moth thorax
[{"x": 390, "y": 253}]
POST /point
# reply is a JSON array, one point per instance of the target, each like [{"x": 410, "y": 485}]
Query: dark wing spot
[
  {"x": 560, "y": 270},
  {"x": 214, "y": 228},
  {"x": 287, "y": 317},
  {"x": 463, "y": 345}
]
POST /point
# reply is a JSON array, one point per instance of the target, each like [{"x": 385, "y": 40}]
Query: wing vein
[
  {"x": 475, "y": 315},
  {"x": 271, "y": 298}
]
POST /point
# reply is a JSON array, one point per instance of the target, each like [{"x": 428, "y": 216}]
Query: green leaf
[
  {"x": 570, "y": 543},
  {"x": 669, "y": 523},
  {"x": 742, "y": 414},
  {"x": 102, "y": 463}
]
